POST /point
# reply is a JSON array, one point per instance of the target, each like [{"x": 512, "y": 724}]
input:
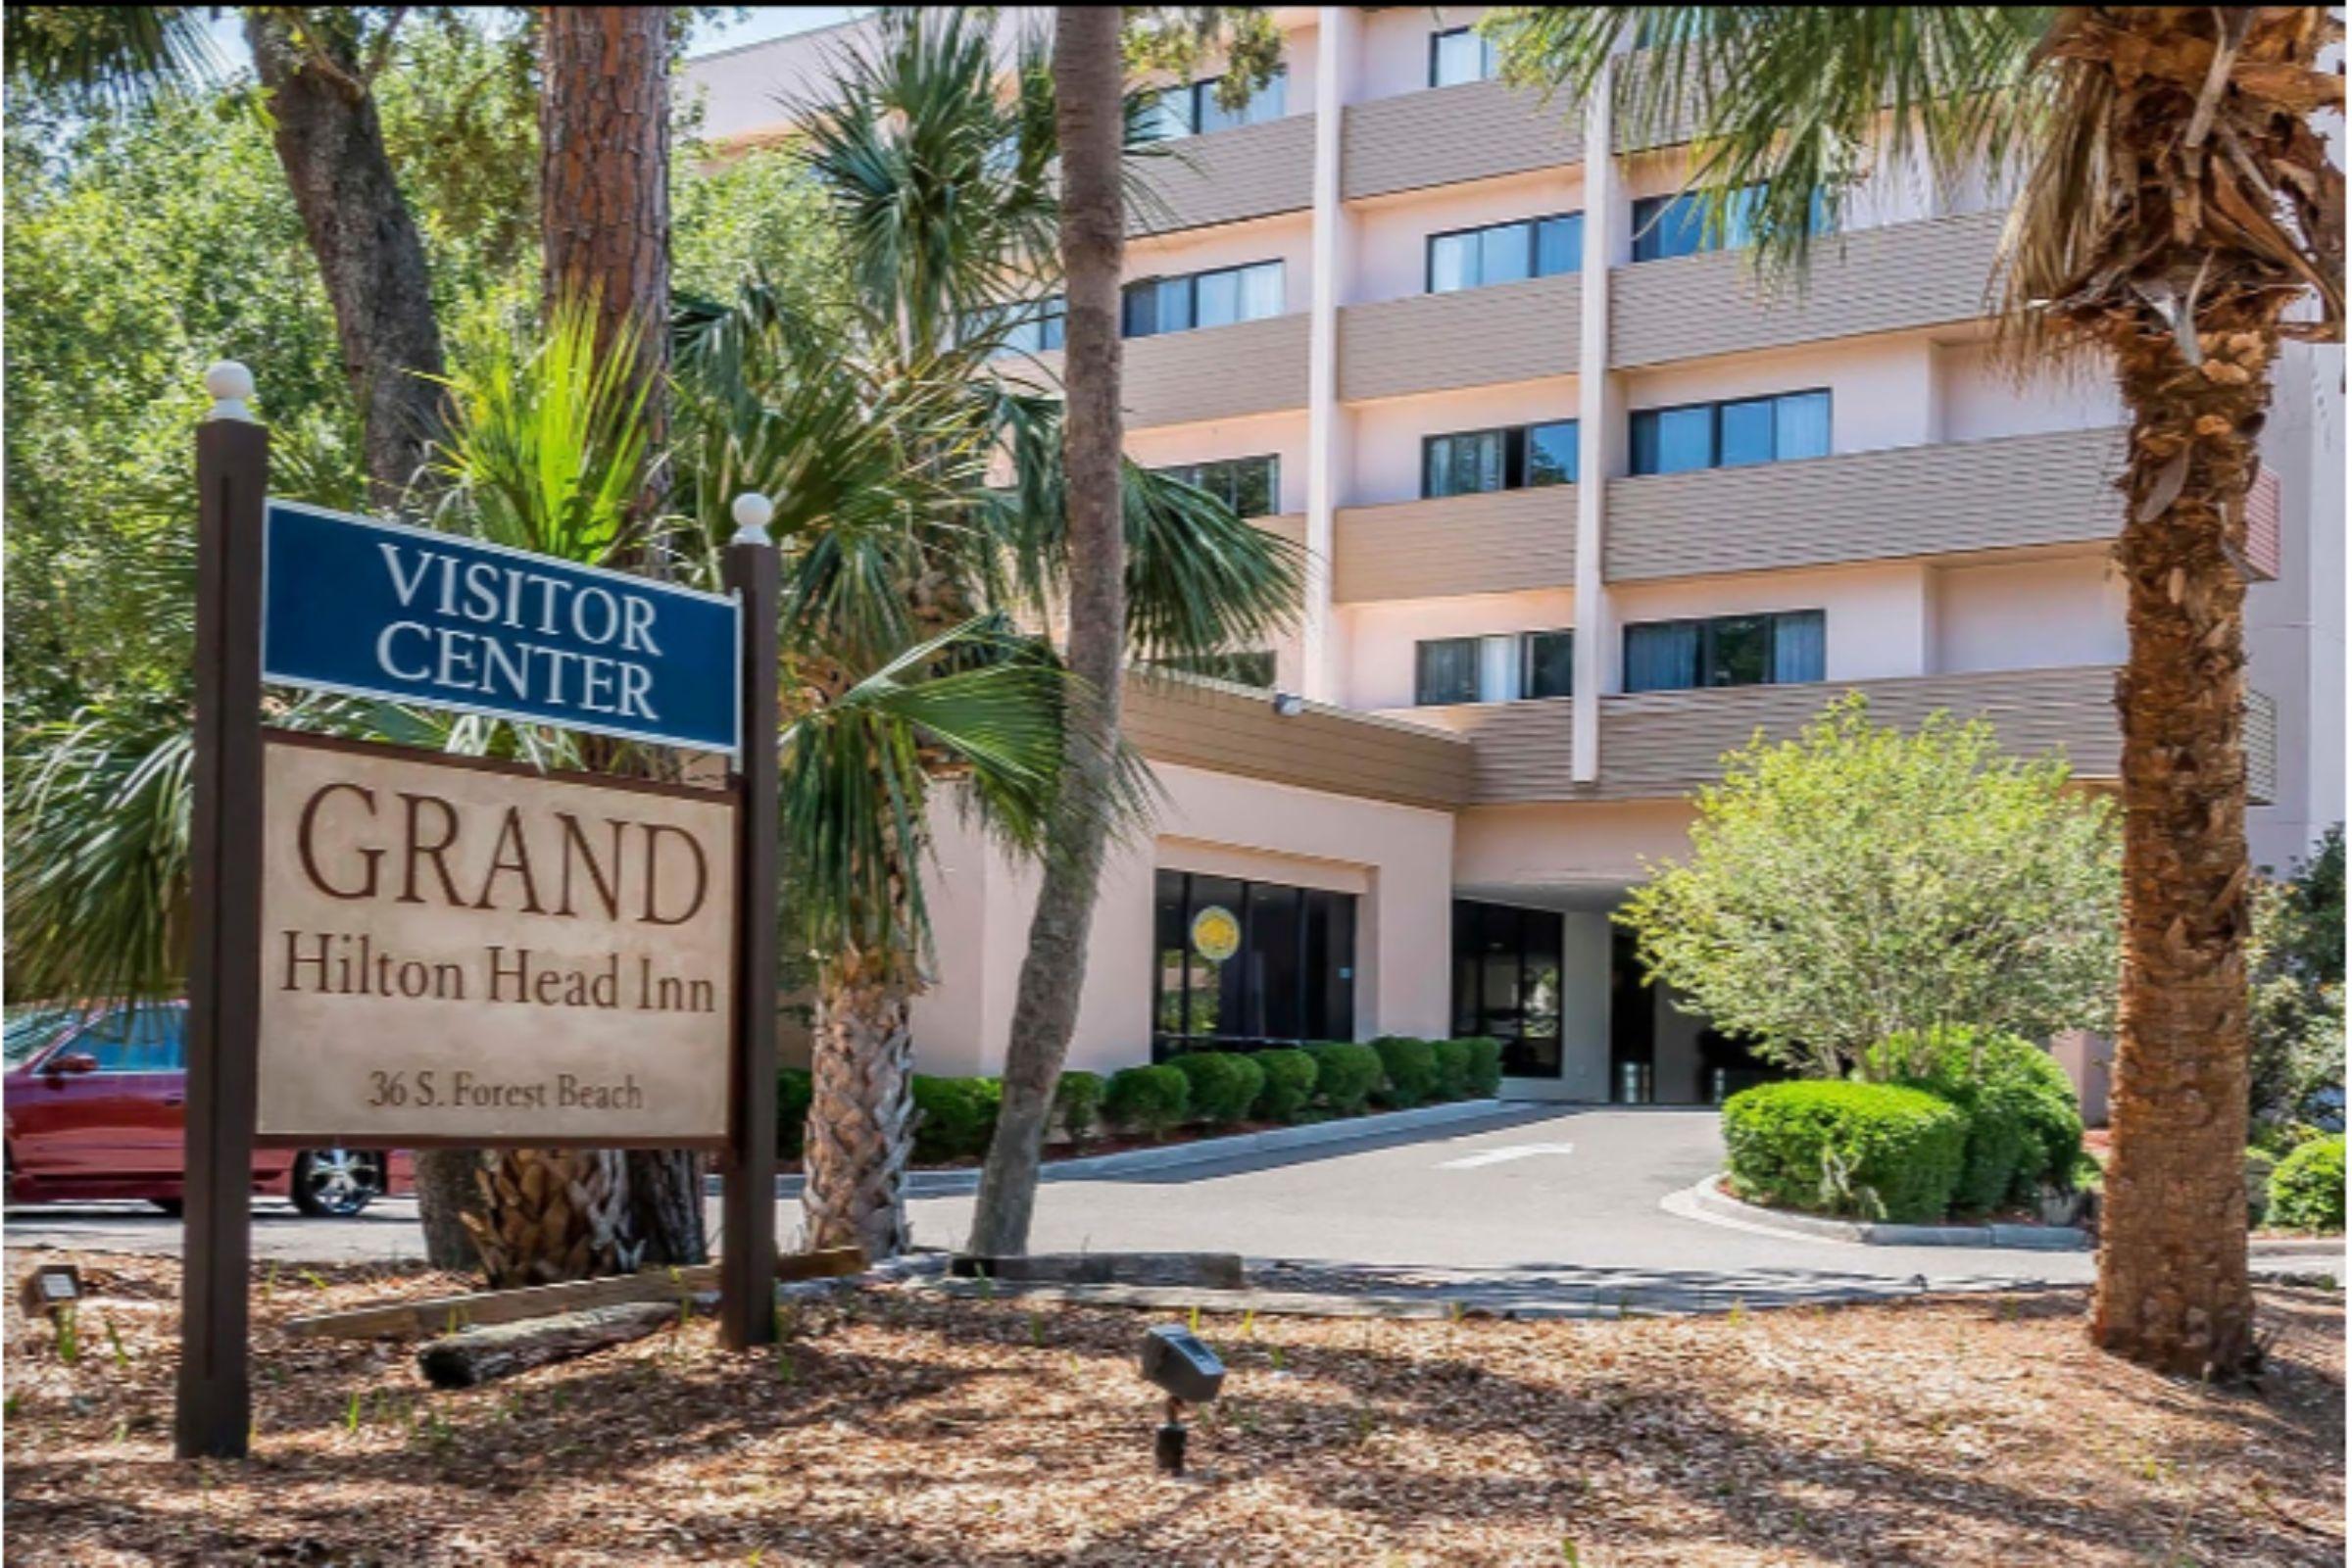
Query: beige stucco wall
[{"x": 1398, "y": 859}]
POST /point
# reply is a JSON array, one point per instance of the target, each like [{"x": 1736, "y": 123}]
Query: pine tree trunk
[
  {"x": 371, "y": 255},
  {"x": 1089, "y": 119},
  {"x": 603, "y": 202},
  {"x": 860, "y": 1127},
  {"x": 2172, "y": 1288}
]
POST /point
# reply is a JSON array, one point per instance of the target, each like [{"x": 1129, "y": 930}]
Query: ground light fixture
[
  {"x": 1188, "y": 1372},
  {"x": 48, "y": 1289},
  {"x": 1288, "y": 705}
]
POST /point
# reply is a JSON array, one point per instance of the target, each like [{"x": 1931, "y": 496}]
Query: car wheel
[
  {"x": 336, "y": 1183},
  {"x": 170, "y": 1206}
]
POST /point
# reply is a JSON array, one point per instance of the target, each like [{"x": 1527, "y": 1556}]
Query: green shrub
[
  {"x": 955, "y": 1117},
  {"x": 1485, "y": 1066},
  {"x": 1346, "y": 1074},
  {"x": 1224, "y": 1084},
  {"x": 2307, "y": 1189},
  {"x": 1289, "y": 1084},
  {"x": 2258, "y": 1166},
  {"x": 1452, "y": 1061},
  {"x": 2025, "y": 1131},
  {"x": 795, "y": 1088},
  {"x": 1878, "y": 1150},
  {"x": 1410, "y": 1070},
  {"x": 1146, "y": 1100},
  {"x": 1078, "y": 1103}
]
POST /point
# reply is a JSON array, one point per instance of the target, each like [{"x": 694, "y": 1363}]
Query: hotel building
[{"x": 1582, "y": 510}]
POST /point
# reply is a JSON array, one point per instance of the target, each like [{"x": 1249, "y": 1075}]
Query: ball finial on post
[
  {"x": 230, "y": 384},
  {"x": 751, "y": 513}
]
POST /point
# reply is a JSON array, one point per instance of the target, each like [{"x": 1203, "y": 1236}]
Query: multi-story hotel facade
[{"x": 1582, "y": 510}]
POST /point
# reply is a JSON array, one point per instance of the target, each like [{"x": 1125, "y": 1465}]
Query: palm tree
[
  {"x": 319, "y": 68},
  {"x": 943, "y": 196},
  {"x": 2179, "y": 211}
]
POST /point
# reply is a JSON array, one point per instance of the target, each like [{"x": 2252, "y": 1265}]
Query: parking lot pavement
[{"x": 1569, "y": 1198}]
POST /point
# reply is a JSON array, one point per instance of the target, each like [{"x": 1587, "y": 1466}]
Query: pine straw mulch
[{"x": 896, "y": 1427}]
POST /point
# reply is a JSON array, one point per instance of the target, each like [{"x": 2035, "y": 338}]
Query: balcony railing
[
  {"x": 1226, "y": 176},
  {"x": 1662, "y": 745},
  {"x": 1214, "y": 373},
  {"x": 1948, "y": 499},
  {"x": 1498, "y": 542},
  {"x": 1474, "y": 337},
  {"x": 1871, "y": 280},
  {"x": 1445, "y": 135},
  {"x": 1188, "y": 721}
]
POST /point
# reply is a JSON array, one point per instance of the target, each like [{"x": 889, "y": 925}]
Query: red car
[{"x": 94, "y": 1101}]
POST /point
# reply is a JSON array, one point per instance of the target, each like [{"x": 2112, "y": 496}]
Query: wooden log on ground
[
  {"x": 475, "y": 1356},
  {"x": 1215, "y": 1272},
  {"x": 446, "y": 1314}
]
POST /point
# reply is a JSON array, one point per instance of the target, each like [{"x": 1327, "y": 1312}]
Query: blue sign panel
[{"x": 383, "y": 609}]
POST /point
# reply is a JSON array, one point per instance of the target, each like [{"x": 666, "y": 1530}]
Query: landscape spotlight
[
  {"x": 1188, "y": 1372},
  {"x": 49, "y": 1286},
  {"x": 1288, "y": 705}
]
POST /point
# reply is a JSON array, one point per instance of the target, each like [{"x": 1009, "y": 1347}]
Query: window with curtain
[
  {"x": 1445, "y": 671},
  {"x": 1784, "y": 648},
  {"x": 1218, "y": 297},
  {"x": 1504, "y": 667},
  {"x": 1742, "y": 431},
  {"x": 1458, "y": 54},
  {"x": 1250, "y": 486},
  {"x": 1548, "y": 663},
  {"x": 1193, "y": 109},
  {"x": 1518, "y": 456},
  {"x": 1506, "y": 253},
  {"x": 1027, "y": 326}
]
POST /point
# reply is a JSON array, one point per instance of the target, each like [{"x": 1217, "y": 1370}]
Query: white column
[
  {"x": 1333, "y": 256},
  {"x": 1595, "y": 409}
]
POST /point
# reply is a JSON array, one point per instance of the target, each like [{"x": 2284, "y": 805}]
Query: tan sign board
[{"x": 458, "y": 951}]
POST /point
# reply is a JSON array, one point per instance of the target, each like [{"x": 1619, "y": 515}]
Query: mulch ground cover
[{"x": 896, "y": 1427}]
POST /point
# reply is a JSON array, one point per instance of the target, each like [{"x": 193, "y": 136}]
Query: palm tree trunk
[
  {"x": 371, "y": 255},
  {"x": 604, "y": 205},
  {"x": 2172, "y": 1288},
  {"x": 859, "y": 1113},
  {"x": 1089, "y": 120}
]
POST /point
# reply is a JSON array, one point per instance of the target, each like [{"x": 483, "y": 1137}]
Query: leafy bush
[
  {"x": 1346, "y": 1074},
  {"x": 1224, "y": 1084},
  {"x": 2024, "y": 1129},
  {"x": 1289, "y": 1084},
  {"x": 795, "y": 1088},
  {"x": 1486, "y": 1065},
  {"x": 2307, "y": 1189},
  {"x": 956, "y": 1117},
  {"x": 1078, "y": 1103},
  {"x": 1878, "y": 1150},
  {"x": 1452, "y": 1059},
  {"x": 1149, "y": 1099},
  {"x": 1410, "y": 1068}
]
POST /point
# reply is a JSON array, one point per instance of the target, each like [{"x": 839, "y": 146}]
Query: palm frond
[
  {"x": 108, "y": 54},
  {"x": 1788, "y": 109}
]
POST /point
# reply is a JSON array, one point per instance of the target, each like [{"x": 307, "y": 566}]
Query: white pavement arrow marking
[{"x": 1495, "y": 1157}]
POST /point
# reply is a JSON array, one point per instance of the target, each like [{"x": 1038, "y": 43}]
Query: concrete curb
[
  {"x": 1870, "y": 1233},
  {"x": 1212, "y": 1150}
]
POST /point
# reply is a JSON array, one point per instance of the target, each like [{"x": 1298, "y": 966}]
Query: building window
[
  {"x": 1506, "y": 983},
  {"x": 1506, "y": 253},
  {"x": 1502, "y": 668},
  {"x": 1733, "y": 435},
  {"x": 1220, "y": 298},
  {"x": 1193, "y": 110},
  {"x": 1254, "y": 667},
  {"x": 1518, "y": 457},
  {"x": 1249, "y": 964},
  {"x": 1459, "y": 55},
  {"x": 1026, "y": 326},
  {"x": 1250, "y": 486},
  {"x": 1765, "y": 650},
  {"x": 1668, "y": 227}
]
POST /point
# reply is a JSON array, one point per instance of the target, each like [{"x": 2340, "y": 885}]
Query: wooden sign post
[{"x": 397, "y": 947}]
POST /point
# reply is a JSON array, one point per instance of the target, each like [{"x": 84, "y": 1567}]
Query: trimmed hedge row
[
  {"x": 1991, "y": 1123},
  {"x": 956, "y": 1117}
]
